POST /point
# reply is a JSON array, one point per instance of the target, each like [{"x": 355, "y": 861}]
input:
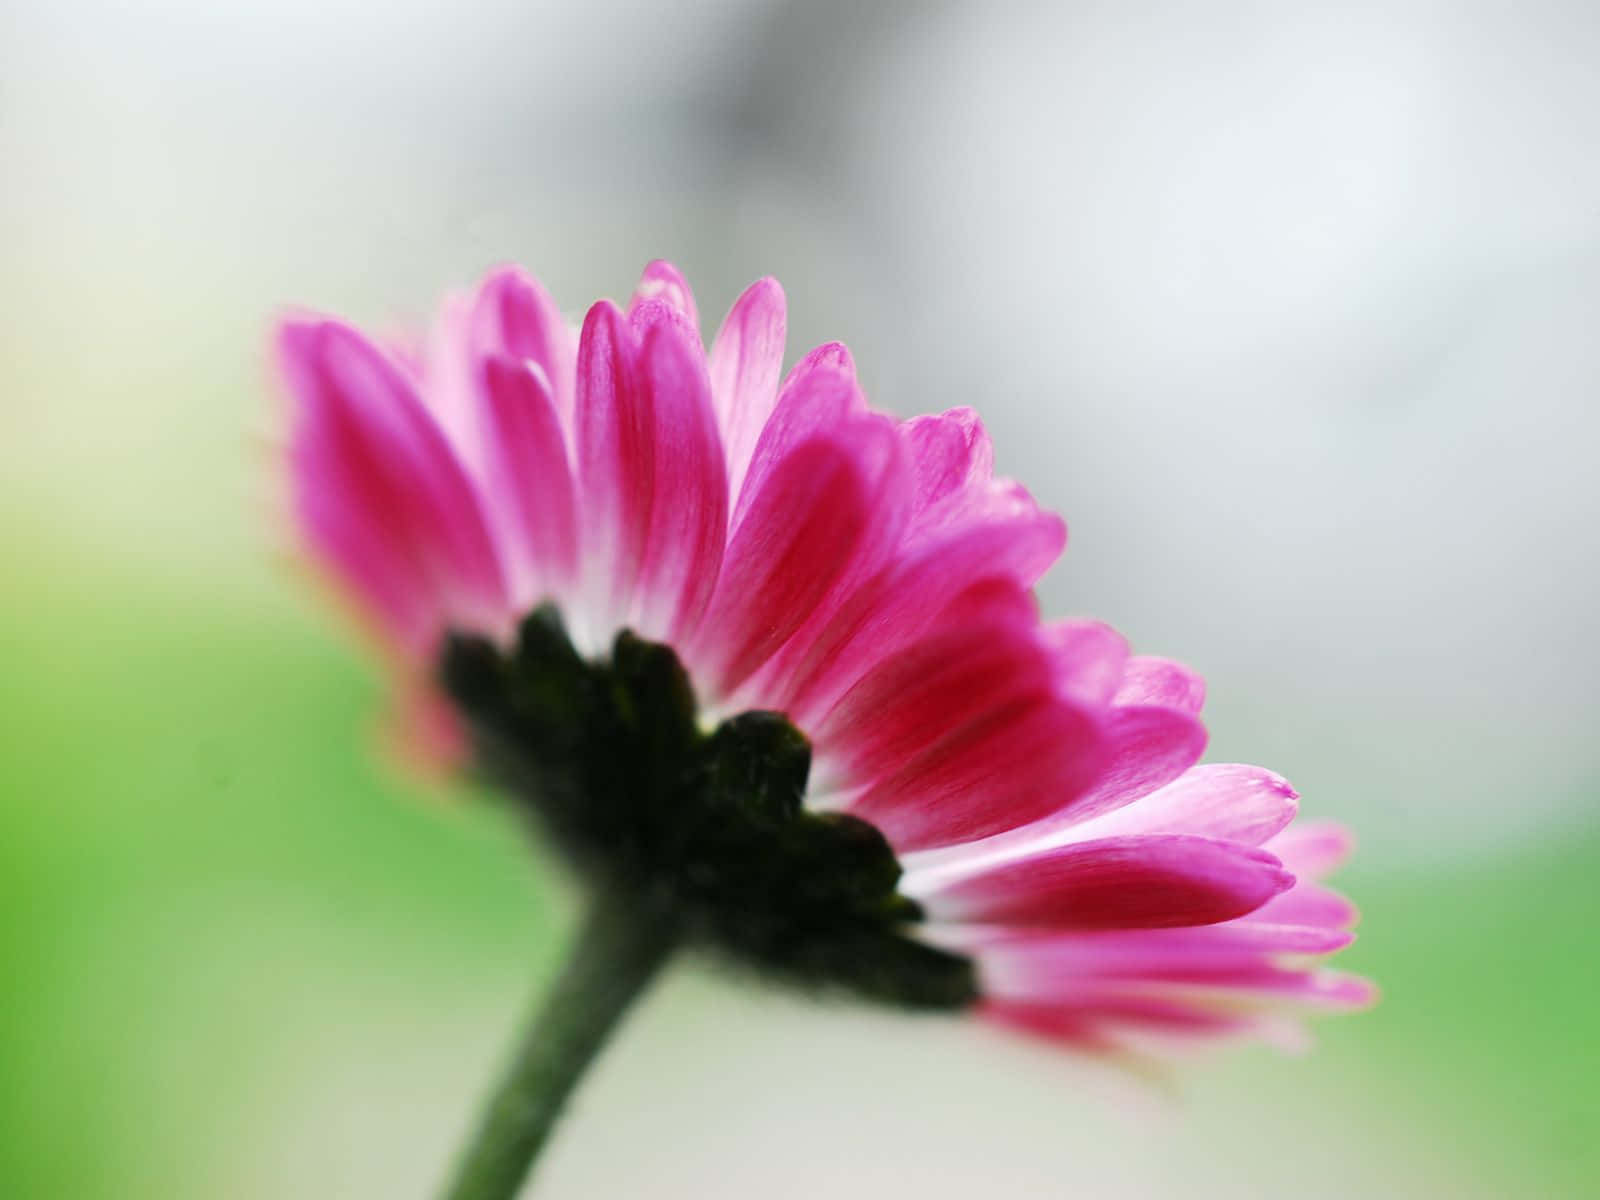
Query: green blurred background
[{"x": 1291, "y": 316}]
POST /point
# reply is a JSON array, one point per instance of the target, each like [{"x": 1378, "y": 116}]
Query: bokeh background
[{"x": 1291, "y": 308}]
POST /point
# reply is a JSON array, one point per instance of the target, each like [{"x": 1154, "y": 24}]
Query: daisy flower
[{"x": 767, "y": 665}]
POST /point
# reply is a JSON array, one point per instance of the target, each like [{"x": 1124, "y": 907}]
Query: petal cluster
[{"x": 869, "y": 578}]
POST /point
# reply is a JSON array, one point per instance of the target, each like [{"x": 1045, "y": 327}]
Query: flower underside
[{"x": 610, "y": 759}]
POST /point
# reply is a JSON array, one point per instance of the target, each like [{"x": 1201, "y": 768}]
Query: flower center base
[{"x": 609, "y": 759}]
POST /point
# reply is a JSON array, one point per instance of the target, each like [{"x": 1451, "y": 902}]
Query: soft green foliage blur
[{"x": 215, "y": 903}]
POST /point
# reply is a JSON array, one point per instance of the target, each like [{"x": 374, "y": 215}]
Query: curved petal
[
  {"x": 950, "y": 450},
  {"x": 380, "y": 490},
  {"x": 689, "y": 511},
  {"x": 513, "y": 315},
  {"x": 661, "y": 281},
  {"x": 616, "y": 464},
  {"x": 746, "y": 360},
  {"x": 527, "y": 469},
  {"x": 1230, "y": 801},
  {"x": 1162, "y": 682},
  {"x": 1117, "y": 883},
  {"x": 820, "y": 396},
  {"x": 809, "y": 519}
]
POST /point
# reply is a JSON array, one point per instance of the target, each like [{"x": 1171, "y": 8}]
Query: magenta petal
[
  {"x": 689, "y": 512},
  {"x": 1309, "y": 904},
  {"x": 528, "y": 470},
  {"x": 898, "y": 605},
  {"x": 661, "y": 281},
  {"x": 1087, "y": 658},
  {"x": 616, "y": 461},
  {"x": 1029, "y": 963},
  {"x": 1313, "y": 849},
  {"x": 819, "y": 397},
  {"x": 1117, "y": 883},
  {"x": 746, "y": 360},
  {"x": 1146, "y": 748},
  {"x": 371, "y": 465},
  {"x": 949, "y": 451},
  {"x": 1001, "y": 769},
  {"x": 799, "y": 535},
  {"x": 1163, "y": 682},
  {"x": 959, "y": 736},
  {"x": 1097, "y": 1025},
  {"x": 513, "y": 315},
  {"x": 1231, "y": 801}
]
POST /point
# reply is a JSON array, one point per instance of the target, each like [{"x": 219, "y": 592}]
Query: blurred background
[{"x": 1290, "y": 308}]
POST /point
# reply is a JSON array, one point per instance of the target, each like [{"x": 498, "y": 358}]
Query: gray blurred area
[{"x": 1290, "y": 309}]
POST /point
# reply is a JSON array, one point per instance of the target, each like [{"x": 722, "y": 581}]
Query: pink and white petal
[
  {"x": 689, "y": 513},
  {"x": 367, "y": 455},
  {"x": 1229, "y": 801},
  {"x": 1028, "y": 963},
  {"x": 1313, "y": 849},
  {"x": 1146, "y": 748},
  {"x": 801, "y": 533},
  {"x": 819, "y": 397},
  {"x": 661, "y": 281},
  {"x": 1309, "y": 904},
  {"x": 616, "y": 466},
  {"x": 443, "y": 372},
  {"x": 1002, "y": 769},
  {"x": 1160, "y": 681},
  {"x": 1088, "y": 659},
  {"x": 352, "y": 538},
  {"x": 898, "y": 605},
  {"x": 1264, "y": 985},
  {"x": 513, "y": 315},
  {"x": 951, "y": 451},
  {"x": 933, "y": 689},
  {"x": 1100, "y": 1023},
  {"x": 528, "y": 474},
  {"x": 1115, "y": 883},
  {"x": 745, "y": 363}
]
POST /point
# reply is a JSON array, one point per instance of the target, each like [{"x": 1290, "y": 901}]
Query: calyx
[{"x": 609, "y": 759}]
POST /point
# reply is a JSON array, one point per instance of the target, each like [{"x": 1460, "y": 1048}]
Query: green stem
[{"x": 623, "y": 942}]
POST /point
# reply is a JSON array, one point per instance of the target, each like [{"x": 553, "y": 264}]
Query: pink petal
[
  {"x": 746, "y": 360},
  {"x": 1001, "y": 769},
  {"x": 1162, "y": 682},
  {"x": 689, "y": 512},
  {"x": 1146, "y": 747},
  {"x": 819, "y": 397},
  {"x": 528, "y": 469},
  {"x": 799, "y": 535},
  {"x": 513, "y": 315},
  {"x": 1313, "y": 849},
  {"x": 1117, "y": 883},
  {"x": 664, "y": 282},
  {"x": 1094, "y": 1026},
  {"x": 1228, "y": 801},
  {"x": 1026, "y": 963},
  {"x": 1309, "y": 904},
  {"x": 616, "y": 461},
  {"x": 1088, "y": 659},
  {"x": 958, "y": 736},
  {"x": 950, "y": 451},
  {"x": 380, "y": 490},
  {"x": 899, "y": 604}
]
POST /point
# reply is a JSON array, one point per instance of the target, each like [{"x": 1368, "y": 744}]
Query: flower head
[{"x": 772, "y": 658}]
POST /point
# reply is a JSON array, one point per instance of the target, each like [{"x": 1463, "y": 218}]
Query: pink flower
[{"x": 870, "y": 580}]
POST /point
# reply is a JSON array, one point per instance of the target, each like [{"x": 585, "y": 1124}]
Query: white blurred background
[{"x": 1290, "y": 308}]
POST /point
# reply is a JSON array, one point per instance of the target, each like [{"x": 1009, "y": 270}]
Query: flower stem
[{"x": 624, "y": 940}]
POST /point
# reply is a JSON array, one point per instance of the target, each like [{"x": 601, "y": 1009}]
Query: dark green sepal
[{"x": 609, "y": 759}]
